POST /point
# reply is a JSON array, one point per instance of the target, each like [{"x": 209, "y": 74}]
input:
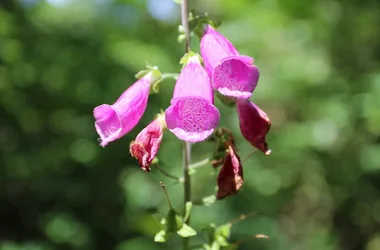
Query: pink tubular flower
[
  {"x": 230, "y": 178},
  {"x": 254, "y": 124},
  {"x": 192, "y": 116},
  {"x": 233, "y": 75},
  {"x": 114, "y": 121},
  {"x": 147, "y": 143}
]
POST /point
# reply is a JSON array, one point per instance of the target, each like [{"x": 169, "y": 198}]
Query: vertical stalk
[
  {"x": 186, "y": 146},
  {"x": 185, "y": 22}
]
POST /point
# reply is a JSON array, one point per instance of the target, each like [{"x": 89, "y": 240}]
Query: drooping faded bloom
[
  {"x": 114, "y": 121},
  {"x": 233, "y": 75},
  {"x": 147, "y": 143},
  {"x": 254, "y": 124},
  {"x": 230, "y": 178},
  {"x": 192, "y": 116}
]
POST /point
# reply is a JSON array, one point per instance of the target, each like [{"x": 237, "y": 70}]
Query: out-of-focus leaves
[{"x": 319, "y": 84}]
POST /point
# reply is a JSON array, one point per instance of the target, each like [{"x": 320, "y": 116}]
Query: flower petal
[
  {"x": 147, "y": 143},
  {"x": 235, "y": 78},
  {"x": 108, "y": 124},
  {"x": 192, "y": 119},
  {"x": 139, "y": 152},
  {"x": 254, "y": 124},
  {"x": 114, "y": 121},
  {"x": 230, "y": 177},
  {"x": 193, "y": 81},
  {"x": 214, "y": 47}
]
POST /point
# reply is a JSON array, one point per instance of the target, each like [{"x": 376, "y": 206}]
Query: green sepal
[
  {"x": 215, "y": 24},
  {"x": 186, "y": 57},
  {"x": 197, "y": 23},
  {"x": 225, "y": 100},
  {"x": 142, "y": 73},
  {"x": 155, "y": 87}
]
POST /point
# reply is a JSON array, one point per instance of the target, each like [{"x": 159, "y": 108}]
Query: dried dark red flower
[{"x": 230, "y": 178}]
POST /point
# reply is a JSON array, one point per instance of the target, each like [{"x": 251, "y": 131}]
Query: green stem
[
  {"x": 185, "y": 23},
  {"x": 187, "y": 186},
  {"x": 187, "y": 146}
]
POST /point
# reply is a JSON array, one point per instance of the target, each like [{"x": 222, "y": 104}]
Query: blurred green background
[{"x": 320, "y": 85}]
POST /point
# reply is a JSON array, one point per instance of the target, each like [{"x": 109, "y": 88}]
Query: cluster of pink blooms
[{"x": 192, "y": 116}]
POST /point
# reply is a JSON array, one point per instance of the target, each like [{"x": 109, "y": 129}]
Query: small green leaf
[
  {"x": 206, "y": 247},
  {"x": 188, "y": 207},
  {"x": 215, "y": 24},
  {"x": 161, "y": 236},
  {"x": 155, "y": 161},
  {"x": 222, "y": 234},
  {"x": 181, "y": 38},
  {"x": 210, "y": 232},
  {"x": 163, "y": 221},
  {"x": 224, "y": 230},
  {"x": 186, "y": 231},
  {"x": 208, "y": 200},
  {"x": 215, "y": 246},
  {"x": 191, "y": 171},
  {"x": 184, "y": 59},
  {"x": 181, "y": 30},
  {"x": 222, "y": 241},
  {"x": 150, "y": 66},
  {"x": 205, "y": 201},
  {"x": 173, "y": 221}
]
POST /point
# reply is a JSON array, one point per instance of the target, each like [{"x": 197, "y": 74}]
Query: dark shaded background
[{"x": 320, "y": 85}]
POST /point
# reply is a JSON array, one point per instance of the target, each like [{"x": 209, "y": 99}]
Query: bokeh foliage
[{"x": 320, "y": 85}]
